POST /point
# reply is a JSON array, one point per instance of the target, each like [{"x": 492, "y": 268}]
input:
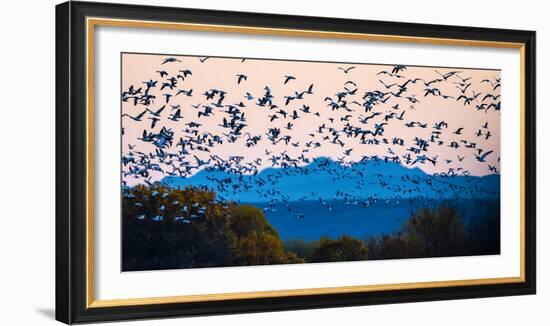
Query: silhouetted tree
[
  {"x": 441, "y": 231},
  {"x": 428, "y": 233}
]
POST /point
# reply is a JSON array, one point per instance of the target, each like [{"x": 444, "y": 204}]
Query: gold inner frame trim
[{"x": 92, "y": 22}]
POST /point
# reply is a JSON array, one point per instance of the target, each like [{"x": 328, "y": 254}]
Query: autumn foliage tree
[{"x": 165, "y": 228}]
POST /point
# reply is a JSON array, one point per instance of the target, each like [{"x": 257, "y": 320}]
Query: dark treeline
[
  {"x": 165, "y": 228},
  {"x": 438, "y": 232}
]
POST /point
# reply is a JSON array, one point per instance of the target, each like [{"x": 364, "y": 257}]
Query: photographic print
[{"x": 247, "y": 161}]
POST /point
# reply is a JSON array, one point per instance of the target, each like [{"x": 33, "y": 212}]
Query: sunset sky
[{"x": 327, "y": 80}]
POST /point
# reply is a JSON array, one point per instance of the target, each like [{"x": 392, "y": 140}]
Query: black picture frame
[{"x": 71, "y": 157}]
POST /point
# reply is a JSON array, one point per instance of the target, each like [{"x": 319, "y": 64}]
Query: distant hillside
[{"x": 328, "y": 180}]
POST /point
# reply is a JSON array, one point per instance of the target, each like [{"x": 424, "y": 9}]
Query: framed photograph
[{"x": 213, "y": 162}]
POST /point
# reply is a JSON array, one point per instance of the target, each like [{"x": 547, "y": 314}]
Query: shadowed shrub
[
  {"x": 344, "y": 248},
  {"x": 302, "y": 248}
]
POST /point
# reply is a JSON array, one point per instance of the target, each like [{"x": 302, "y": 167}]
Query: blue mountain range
[{"x": 324, "y": 179}]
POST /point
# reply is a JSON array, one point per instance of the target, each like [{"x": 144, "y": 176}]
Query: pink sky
[{"x": 220, "y": 73}]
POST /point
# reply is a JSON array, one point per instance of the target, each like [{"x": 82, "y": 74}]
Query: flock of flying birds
[{"x": 355, "y": 124}]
